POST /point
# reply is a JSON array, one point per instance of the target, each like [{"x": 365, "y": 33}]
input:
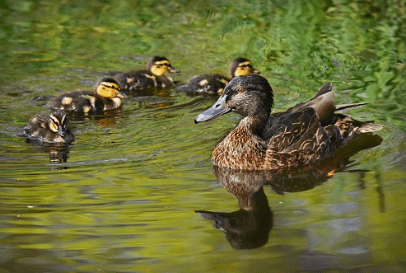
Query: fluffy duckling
[
  {"x": 49, "y": 128},
  {"x": 213, "y": 84},
  {"x": 302, "y": 136},
  {"x": 105, "y": 96},
  {"x": 153, "y": 77}
]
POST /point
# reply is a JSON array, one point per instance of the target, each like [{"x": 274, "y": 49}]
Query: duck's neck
[{"x": 256, "y": 124}]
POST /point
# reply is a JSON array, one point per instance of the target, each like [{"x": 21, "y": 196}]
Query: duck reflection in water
[
  {"x": 249, "y": 227},
  {"x": 58, "y": 155}
]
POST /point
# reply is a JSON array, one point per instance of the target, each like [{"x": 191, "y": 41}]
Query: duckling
[
  {"x": 213, "y": 84},
  {"x": 49, "y": 128},
  {"x": 302, "y": 136},
  {"x": 106, "y": 96},
  {"x": 153, "y": 77}
]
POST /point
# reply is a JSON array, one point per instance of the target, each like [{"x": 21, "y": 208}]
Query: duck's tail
[
  {"x": 369, "y": 127},
  {"x": 350, "y": 105}
]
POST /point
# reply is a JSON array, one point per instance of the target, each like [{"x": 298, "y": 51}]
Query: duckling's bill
[{"x": 219, "y": 108}]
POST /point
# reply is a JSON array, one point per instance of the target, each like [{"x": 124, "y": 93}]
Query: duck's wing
[
  {"x": 289, "y": 128},
  {"x": 136, "y": 80},
  {"x": 72, "y": 101}
]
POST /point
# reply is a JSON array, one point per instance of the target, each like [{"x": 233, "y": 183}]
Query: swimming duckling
[
  {"x": 213, "y": 84},
  {"x": 153, "y": 77},
  {"x": 105, "y": 96},
  {"x": 303, "y": 135},
  {"x": 49, "y": 128}
]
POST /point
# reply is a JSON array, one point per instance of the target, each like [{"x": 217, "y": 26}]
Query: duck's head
[
  {"x": 109, "y": 88},
  {"x": 242, "y": 66},
  {"x": 159, "y": 66},
  {"x": 58, "y": 123},
  {"x": 249, "y": 95}
]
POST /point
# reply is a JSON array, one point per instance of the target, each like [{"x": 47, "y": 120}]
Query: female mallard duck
[
  {"x": 105, "y": 96},
  {"x": 303, "y": 135},
  {"x": 213, "y": 84},
  {"x": 49, "y": 128},
  {"x": 153, "y": 77}
]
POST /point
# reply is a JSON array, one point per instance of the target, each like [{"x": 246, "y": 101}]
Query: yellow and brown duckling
[
  {"x": 303, "y": 135},
  {"x": 49, "y": 128},
  {"x": 106, "y": 96},
  {"x": 213, "y": 84},
  {"x": 154, "y": 77}
]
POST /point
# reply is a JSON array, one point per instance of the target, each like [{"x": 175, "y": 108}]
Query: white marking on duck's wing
[
  {"x": 151, "y": 77},
  {"x": 115, "y": 103},
  {"x": 92, "y": 100},
  {"x": 86, "y": 108},
  {"x": 203, "y": 82},
  {"x": 130, "y": 80},
  {"x": 66, "y": 100}
]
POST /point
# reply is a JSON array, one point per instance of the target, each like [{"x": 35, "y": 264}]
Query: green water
[{"x": 125, "y": 199}]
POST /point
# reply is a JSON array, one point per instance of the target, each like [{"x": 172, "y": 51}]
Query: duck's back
[
  {"x": 79, "y": 101},
  {"x": 142, "y": 80},
  {"x": 210, "y": 84}
]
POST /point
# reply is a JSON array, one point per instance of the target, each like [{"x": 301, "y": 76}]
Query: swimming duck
[
  {"x": 303, "y": 135},
  {"x": 49, "y": 128},
  {"x": 213, "y": 84},
  {"x": 105, "y": 96},
  {"x": 153, "y": 77}
]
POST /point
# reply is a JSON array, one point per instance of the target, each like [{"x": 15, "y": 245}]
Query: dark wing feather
[
  {"x": 78, "y": 100},
  {"x": 288, "y": 128},
  {"x": 136, "y": 80},
  {"x": 211, "y": 84}
]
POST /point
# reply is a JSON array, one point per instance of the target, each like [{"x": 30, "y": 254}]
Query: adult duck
[{"x": 305, "y": 134}]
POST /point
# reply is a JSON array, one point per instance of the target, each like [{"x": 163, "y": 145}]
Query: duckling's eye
[{"x": 112, "y": 86}]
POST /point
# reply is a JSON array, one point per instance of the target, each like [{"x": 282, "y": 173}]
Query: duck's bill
[
  {"x": 173, "y": 70},
  {"x": 61, "y": 131},
  {"x": 217, "y": 109},
  {"x": 255, "y": 71},
  {"x": 122, "y": 95}
]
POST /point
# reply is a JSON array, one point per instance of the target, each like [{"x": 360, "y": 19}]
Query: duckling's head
[
  {"x": 249, "y": 95},
  {"x": 159, "y": 66},
  {"x": 241, "y": 67},
  {"x": 108, "y": 88},
  {"x": 58, "y": 123}
]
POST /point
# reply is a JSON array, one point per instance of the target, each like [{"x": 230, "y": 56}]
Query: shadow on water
[{"x": 249, "y": 227}]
